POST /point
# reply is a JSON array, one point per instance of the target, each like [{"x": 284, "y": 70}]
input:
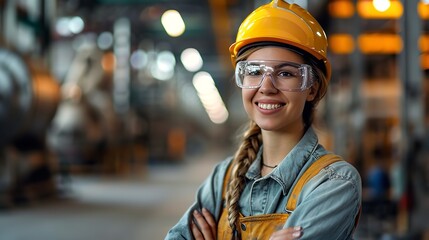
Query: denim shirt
[{"x": 326, "y": 208}]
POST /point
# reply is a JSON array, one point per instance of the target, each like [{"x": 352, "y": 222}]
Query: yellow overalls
[{"x": 262, "y": 226}]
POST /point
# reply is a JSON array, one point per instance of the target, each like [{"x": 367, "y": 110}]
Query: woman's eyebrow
[{"x": 287, "y": 64}]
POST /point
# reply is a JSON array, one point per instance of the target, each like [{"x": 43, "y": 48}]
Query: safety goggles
[{"x": 285, "y": 76}]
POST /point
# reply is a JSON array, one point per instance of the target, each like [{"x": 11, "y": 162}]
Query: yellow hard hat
[{"x": 283, "y": 23}]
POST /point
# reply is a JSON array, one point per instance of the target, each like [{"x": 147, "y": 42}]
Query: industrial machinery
[{"x": 29, "y": 97}]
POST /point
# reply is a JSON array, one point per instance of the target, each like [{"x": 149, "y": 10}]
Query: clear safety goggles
[{"x": 285, "y": 76}]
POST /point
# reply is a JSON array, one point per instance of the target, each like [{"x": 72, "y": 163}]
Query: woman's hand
[
  {"x": 206, "y": 229},
  {"x": 287, "y": 234}
]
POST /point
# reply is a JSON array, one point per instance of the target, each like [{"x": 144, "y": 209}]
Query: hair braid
[{"x": 244, "y": 157}]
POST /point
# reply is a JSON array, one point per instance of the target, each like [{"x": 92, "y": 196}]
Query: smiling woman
[{"x": 281, "y": 183}]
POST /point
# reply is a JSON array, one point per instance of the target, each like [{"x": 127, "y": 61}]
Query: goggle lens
[{"x": 286, "y": 76}]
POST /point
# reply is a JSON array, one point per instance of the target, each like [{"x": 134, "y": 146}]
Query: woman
[{"x": 281, "y": 184}]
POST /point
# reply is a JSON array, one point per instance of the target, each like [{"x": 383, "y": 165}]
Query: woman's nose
[{"x": 267, "y": 85}]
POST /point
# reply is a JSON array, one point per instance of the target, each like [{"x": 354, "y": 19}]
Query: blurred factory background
[{"x": 112, "y": 112}]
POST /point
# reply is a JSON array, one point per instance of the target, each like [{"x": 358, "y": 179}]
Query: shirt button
[{"x": 243, "y": 227}]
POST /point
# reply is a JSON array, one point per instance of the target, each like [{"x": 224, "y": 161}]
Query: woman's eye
[{"x": 285, "y": 74}]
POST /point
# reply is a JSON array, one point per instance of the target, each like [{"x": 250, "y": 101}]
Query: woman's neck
[{"x": 278, "y": 144}]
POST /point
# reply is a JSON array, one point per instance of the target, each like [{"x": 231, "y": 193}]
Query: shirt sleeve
[
  {"x": 329, "y": 209},
  {"x": 209, "y": 196}
]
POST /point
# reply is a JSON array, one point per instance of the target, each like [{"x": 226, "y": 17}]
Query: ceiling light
[
  {"x": 138, "y": 59},
  {"x": 210, "y": 97},
  {"x": 191, "y": 59},
  {"x": 163, "y": 69},
  {"x": 381, "y": 5},
  {"x": 62, "y": 28},
  {"x": 76, "y": 25},
  {"x": 173, "y": 23},
  {"x": 105, "y": 40}
]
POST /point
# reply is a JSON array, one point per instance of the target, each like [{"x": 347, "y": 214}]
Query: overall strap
[{"x": 312, "y": 171}]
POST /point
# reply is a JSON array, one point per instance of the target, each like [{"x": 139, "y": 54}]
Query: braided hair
[{"x": 244, "y": 157}]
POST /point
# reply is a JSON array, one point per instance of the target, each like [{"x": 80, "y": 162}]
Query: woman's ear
[{"x": 313, "y": 91}]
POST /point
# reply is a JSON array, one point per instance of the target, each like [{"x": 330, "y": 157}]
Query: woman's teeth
[{"x": 269, "y": 106}]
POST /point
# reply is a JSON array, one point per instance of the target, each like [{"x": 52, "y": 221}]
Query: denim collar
[{"x": 290, "y": 167}]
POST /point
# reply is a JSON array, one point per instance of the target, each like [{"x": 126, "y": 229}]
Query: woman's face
[{"x": 272, "y": 109}]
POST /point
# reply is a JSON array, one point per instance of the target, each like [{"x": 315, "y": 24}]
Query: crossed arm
[{"x": 204, "y": 227}]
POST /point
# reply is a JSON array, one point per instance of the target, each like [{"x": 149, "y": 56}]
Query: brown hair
[{"x": 252, "y": 139}]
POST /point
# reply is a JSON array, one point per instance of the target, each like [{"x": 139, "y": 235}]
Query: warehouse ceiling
[{"x": 211, "y": 25}]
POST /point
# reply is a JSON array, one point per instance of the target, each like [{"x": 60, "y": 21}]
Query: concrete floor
[{"x": 142, "y": 206}]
